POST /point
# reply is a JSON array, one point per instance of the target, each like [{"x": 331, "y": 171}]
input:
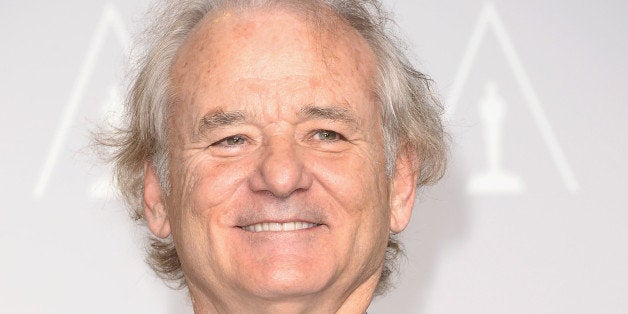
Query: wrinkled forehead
[{"x": 313, "y": 40}]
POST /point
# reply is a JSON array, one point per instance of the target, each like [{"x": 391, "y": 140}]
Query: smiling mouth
[{"x": 278, "y": 226}]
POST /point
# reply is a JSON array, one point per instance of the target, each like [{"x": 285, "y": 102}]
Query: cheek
[
  {"x": 201, "y": 185},
  {"x": 355, "y": 191},
  {"x": 217, "y": 183},
  {"x": 355, "y": 182}
]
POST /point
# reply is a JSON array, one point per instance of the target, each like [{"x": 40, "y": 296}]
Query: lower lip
[{"x": 281, "y": 247}]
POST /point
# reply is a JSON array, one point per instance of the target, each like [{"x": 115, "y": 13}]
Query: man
[{"x": 273, "y": 149}]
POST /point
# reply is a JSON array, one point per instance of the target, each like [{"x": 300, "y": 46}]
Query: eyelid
[
  {"x": 340, "y": 136},
  {"x": 221, "y": 142}
]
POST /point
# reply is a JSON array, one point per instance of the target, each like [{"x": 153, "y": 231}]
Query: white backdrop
[{"x": 528, "y": 219}]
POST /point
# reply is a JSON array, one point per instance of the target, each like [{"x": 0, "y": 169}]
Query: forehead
[{"x": 272, "y": 51}]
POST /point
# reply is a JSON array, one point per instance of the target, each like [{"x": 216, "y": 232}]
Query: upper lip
[{"x": 280, "y": 212}]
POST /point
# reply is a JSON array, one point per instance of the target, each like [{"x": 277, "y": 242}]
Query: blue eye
[{"x": 326, "y": 135}]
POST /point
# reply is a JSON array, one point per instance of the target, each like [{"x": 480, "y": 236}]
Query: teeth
[
  {"x": 288, "y": 226},
  {"x": 276, "y": 226}
]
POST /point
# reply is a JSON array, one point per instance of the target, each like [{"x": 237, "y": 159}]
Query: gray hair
[{"x": 410, "y": 111}]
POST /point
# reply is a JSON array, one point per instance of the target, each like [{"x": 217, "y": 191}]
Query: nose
[{"x": 281, "y": 170}]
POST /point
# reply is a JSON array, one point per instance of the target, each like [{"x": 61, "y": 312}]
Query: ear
[
  {"x": 154, "y": 206},
  {"x": 403, "y": 192}
]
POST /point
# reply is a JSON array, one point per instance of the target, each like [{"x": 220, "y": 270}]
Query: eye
[
  {"x": 327, "y": 135},
  {"x": 231, "y": 141}
]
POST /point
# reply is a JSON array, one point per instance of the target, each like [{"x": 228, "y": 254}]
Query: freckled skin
[{"x": 269, "y": 65}]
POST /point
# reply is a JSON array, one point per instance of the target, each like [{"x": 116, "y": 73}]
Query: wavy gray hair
[{"x": 409, "y": 109}]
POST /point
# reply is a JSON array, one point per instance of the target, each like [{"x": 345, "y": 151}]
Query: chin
[{"x": 288, "y": 280}]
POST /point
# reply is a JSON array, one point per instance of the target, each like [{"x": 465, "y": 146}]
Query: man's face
[{"x": 276, "y": 160}]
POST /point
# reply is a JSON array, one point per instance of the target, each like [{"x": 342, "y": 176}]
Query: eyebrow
[
  {"x": 336, "y": 113},
  {"x": 219, "y": 118}
]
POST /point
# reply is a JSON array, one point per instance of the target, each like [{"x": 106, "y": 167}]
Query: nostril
[{"x": 280, "y": 172}]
